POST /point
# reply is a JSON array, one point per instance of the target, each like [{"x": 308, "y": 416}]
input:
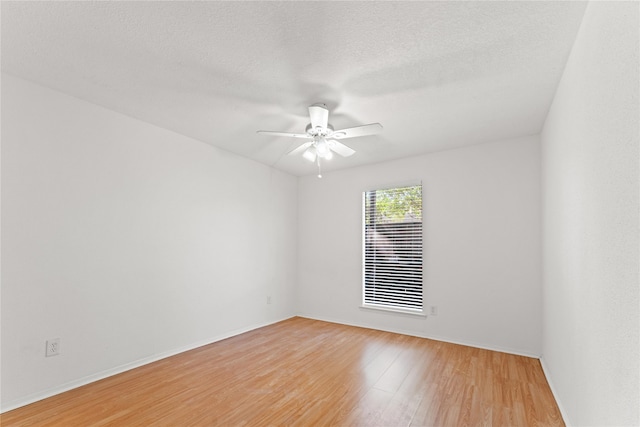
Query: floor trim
[
  {"x": 427, "y": 336},
  {"x": 563, "y": 412}
]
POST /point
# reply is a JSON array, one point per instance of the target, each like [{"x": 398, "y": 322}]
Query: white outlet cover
[{"x": 53, "y": 347}]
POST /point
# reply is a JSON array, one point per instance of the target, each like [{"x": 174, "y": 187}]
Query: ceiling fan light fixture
[
  {"x": 322, "y": 148},
  {"x": 310, "y": 154}
]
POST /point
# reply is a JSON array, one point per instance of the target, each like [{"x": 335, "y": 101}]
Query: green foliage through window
[{"x": 394, "y": 205}]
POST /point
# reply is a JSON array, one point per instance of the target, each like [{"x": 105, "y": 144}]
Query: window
[{"x": 393, "y": 249}]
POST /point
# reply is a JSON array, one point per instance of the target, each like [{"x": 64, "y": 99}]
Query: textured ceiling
[{"x": 437, "y": 75}]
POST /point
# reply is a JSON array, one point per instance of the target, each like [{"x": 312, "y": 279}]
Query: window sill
[{"x": 394, "y": 310}]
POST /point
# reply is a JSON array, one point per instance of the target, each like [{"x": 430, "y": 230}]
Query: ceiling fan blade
[
  {"x": 289, "y": 134},
  {"x": 340, "y": 148},
  {"x": 319, "y": 115},
  {"x": 363, "y": 130},
  {"x": 299, "y": 149}
]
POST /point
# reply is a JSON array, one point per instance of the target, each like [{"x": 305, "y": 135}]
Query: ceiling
[{"x": 436, "y": 75}]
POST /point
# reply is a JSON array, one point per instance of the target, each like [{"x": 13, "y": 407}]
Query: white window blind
[{"x": 393, "y": 249}]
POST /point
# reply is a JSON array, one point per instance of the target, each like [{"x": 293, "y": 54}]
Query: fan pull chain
[{"x": 319, "y": 169}]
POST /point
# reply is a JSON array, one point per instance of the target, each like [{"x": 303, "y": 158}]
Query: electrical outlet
[
  {"x": 53, "y": 347},
  {"x": 433, "y": 310},
  {"x": 268, "y": 299}
]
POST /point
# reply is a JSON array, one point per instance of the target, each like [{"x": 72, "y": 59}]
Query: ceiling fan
[{"x": 324, "y": 139}]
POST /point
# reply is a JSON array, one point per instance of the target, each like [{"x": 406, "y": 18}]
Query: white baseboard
[
  {"x": 126, "y": 367},
  {"x": 431, "y": 337},
  {"x": 563, "y": 412}
]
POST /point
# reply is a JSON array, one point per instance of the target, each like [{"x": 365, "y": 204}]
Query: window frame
[{"x": 392, "y": 308}]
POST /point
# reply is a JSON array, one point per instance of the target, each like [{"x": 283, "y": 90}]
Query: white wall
[
  {"x": 591, "y": 229},
  {"x": 128, "y": 242},
  {"x": 482, "y": 245}
]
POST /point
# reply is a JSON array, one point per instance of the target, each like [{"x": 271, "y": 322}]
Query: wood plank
[{"x": 306, "y": 372}]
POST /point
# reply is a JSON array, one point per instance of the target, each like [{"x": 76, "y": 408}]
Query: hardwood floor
[{"x": 302, "y": 372}]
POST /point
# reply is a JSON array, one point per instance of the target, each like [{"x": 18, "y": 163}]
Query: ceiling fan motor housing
[{"x": 318, "y": 131}]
